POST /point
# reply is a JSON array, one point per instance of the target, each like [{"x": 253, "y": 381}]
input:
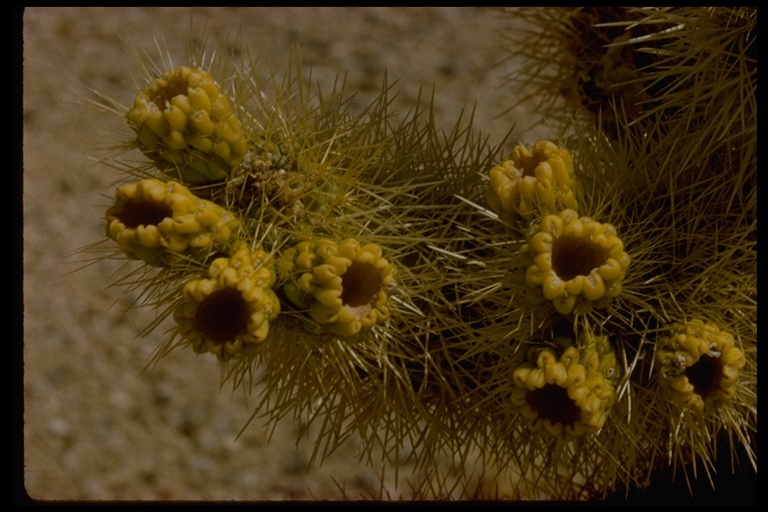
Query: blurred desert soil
[{"x": 93, "y": 428}]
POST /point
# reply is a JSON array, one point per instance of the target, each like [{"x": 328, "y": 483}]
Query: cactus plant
[{"x": 490, "y": 299}]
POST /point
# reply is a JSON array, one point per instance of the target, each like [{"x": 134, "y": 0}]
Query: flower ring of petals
[
  {"x": 229, "y": 312},
  {"x": 577, "y": 263},
  {"x": 187, "y": 126},
  {"x": 163, "y": 222},
  {"x": 343, "y": 287},
  {"x": 532, "y": 183},
  {"x": 563, "y": 396},
  {"x": 699, "y": 365}
]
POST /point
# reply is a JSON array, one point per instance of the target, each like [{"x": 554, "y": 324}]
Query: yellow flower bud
[
  {"x": 199, "y": 100},
  {"x": 176, "y": 141},
  {"x": 176, "y": 119},
  {"x": 202, "y": 122},
  {"x": 156, "y": 123}
]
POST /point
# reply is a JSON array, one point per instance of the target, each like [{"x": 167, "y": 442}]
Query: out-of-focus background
[{"x": 93, "y": 428}]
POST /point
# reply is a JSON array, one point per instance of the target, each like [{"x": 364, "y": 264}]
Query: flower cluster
[
  {"x": 577, "y": 262},
  {"x": 569, "y": 395},
  {"x": 533, "y": 182},
  {"x": 186, "y": 125},
  {"x": 163, "y": 223},
  {"x": 229, "y": 312},
  {"x": 321, "y": 207},
  {"x": 699, "y": 365},
  {"x": 344, "y": 287}
]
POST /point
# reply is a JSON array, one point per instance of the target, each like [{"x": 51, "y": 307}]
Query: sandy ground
[{"x": 93, "y": 428}]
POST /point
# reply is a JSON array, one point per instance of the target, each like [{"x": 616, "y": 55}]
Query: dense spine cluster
[{"x": 559, "y": 306}]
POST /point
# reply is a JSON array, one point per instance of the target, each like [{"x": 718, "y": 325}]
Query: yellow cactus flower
[
  {"x": 533, "y": 182},
  {"x": 699, "y": 365},
  {"x": 229, "y": 313},
  {"x": 186, "y": 125},
  {"x": 343, "y": 287},
  {"x": 578, "y": 263},
  {"x": 162, "y": 223},
  {"x": 567, "y": 396}
]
